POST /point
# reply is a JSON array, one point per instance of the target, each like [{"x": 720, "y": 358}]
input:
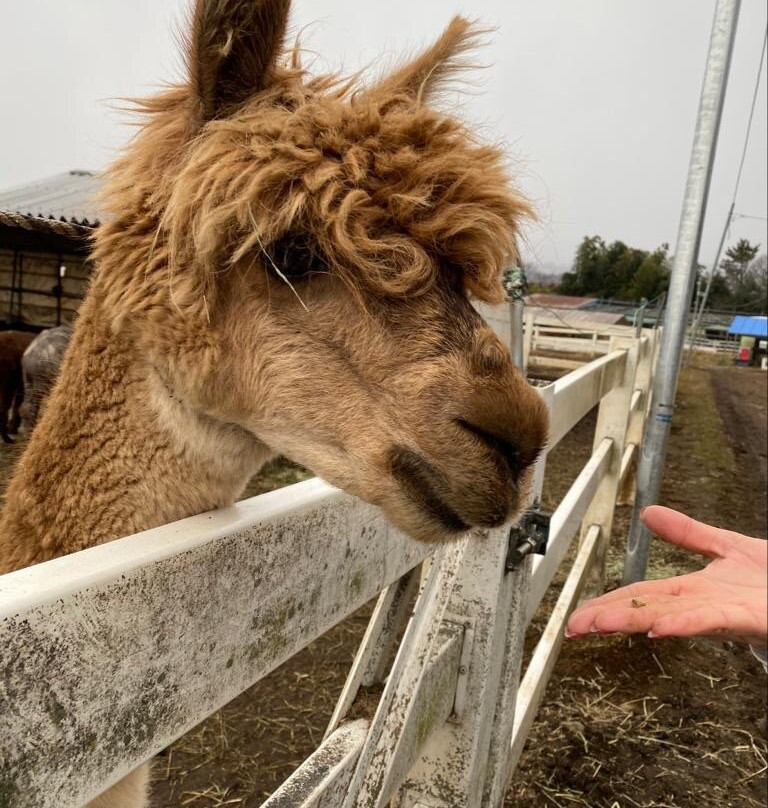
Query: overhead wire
[
  {"x": 699, "y": 311},
  {"x": 747, "y": 216},
  {"x": 740, "y": 171},
  {"x": 751, "y": 114}
]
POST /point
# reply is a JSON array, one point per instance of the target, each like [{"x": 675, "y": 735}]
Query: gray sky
[{"x": 596, "y": 99}]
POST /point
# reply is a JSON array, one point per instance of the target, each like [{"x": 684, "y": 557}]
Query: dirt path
[{"x": 741, "y": 395}]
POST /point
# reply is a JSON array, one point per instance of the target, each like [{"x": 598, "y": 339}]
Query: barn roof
[
  {"x": 575, "y": 318},
  {"x": 749, "y": 326},
  {"x": 67, "y": 197},
  {"x": 559, "y": 301}
]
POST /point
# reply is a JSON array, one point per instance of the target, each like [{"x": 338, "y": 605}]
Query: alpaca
[
  {"x": 40, "y": 366},
  {"x": 286, "y": 268},
  {"x": 12, "y": 347}
]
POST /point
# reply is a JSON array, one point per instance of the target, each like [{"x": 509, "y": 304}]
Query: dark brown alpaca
[
  {"x": 287, "y": 268},
  {"x": 12, "y": 347}
]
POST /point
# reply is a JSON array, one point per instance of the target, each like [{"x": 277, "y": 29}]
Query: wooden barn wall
[{"x": 32, "y": 291}]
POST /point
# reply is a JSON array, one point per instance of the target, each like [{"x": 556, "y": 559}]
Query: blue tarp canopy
[{"x": 749, "y": 326}]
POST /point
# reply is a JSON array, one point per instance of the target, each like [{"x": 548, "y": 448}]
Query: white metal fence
[
  {"x": 564, "y": 347},
  {"x": 110, "y": 654}
]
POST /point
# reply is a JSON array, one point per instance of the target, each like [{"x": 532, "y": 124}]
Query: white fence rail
[
  {"x": 725, "y": 346},
  {"x": 110, "y": 654},
  {"x": 567, "y": 348}
]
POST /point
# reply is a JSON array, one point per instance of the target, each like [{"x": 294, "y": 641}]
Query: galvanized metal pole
[
  {"x": 654, "y": 449},
  {"x": 640, "y": 318},
  {"x": 516, "y": 308},
  {"x": 515, "y": 284}
]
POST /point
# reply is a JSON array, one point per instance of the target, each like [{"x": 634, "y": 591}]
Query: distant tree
[
  {"x": 743, "y": 279},
  {"x": 753, "y": 291},
  {"x": 652, "y": 276},
  {"x": 616, "y": 271},
  {"x": 585, "y": 276},
  {"x": 720, "y": 296},
  {"x": 759, "y": 270},
  {"x": 623, "y": 264}
]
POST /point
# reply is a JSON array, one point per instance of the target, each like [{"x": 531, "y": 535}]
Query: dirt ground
[{"x": 625, "y": 723}]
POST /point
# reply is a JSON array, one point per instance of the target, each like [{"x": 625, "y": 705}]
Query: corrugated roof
[
  {"x": 749, "y": 326},
  {"x": 575, "y": 318},
  {"x": 558, "y": 301},
  {"x": 67, "y": 197}
]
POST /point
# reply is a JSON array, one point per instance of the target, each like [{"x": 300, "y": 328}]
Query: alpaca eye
[{"x": 298, "y": 255}]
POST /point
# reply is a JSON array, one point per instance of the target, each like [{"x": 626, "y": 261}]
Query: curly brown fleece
[{"x": 286, "y": 267}]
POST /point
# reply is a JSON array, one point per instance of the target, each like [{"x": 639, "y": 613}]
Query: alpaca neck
[{"x": 116, "y": 451}]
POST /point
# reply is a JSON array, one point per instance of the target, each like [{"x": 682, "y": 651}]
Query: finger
[
  {"x": 580, "y": 621},
  {"x": 677, "y": 528},
  {"x": 657, "y": 586},
  {"x": 708, "y": 619},
  {"x": 629, "y": 615}
]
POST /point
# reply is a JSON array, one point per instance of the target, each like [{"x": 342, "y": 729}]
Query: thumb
[{"x": 677, "y": 528}]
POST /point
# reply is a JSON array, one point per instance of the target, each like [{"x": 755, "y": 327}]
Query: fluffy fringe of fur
[{"x": 392, "y": 191}]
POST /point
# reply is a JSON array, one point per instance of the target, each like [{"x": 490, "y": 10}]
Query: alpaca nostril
[{"x": 502, "y": 447}]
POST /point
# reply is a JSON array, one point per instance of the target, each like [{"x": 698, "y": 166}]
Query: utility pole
[{"x": 654, "y": 449}]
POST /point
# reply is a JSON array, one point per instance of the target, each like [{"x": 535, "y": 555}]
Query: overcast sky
[{"x": 595, "y": 99}]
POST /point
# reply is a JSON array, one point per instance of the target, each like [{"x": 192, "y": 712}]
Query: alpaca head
[{"x": 307, "y": 248}]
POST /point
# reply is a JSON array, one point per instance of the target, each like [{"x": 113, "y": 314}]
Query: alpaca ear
[
  {"x": 231, "y": 50},
  {"x": 428, "y": 72}
]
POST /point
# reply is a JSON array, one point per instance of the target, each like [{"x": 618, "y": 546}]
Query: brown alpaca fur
[
  {"x": 12, "y": 347},
  {"x": 286, "y": 268}
]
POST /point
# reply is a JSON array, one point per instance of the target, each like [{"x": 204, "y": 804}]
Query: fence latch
[{"x": 530, "y": 535}]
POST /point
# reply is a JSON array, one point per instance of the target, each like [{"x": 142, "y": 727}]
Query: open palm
[{"x": 727, "y": 599}]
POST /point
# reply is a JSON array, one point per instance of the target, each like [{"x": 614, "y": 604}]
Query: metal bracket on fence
[
  {"x": 530, "y": 535},
  {"x": 467, "y": 628}
]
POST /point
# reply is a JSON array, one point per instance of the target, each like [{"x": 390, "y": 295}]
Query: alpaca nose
[
  {"x": 502, "y": 446},
  {"x": 509, "y": 417}
]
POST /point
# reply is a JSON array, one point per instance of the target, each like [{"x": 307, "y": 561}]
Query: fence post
[
  {"x": 517, "y": 328},
  {"x": 530, "y": 324},
  {"x": 612, "y": 421},
  {"x": 452, "y": 765},
  {"x": 466, "y": 761},
  {"x": 636, "y": 426},
  {"x": 500, "y": 763}
]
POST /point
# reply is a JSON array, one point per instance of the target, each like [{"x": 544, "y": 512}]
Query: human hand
[{"x": 728, "y": 599}]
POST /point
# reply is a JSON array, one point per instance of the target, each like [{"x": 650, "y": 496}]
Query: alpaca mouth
[{"x": 421, "y": 481}]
